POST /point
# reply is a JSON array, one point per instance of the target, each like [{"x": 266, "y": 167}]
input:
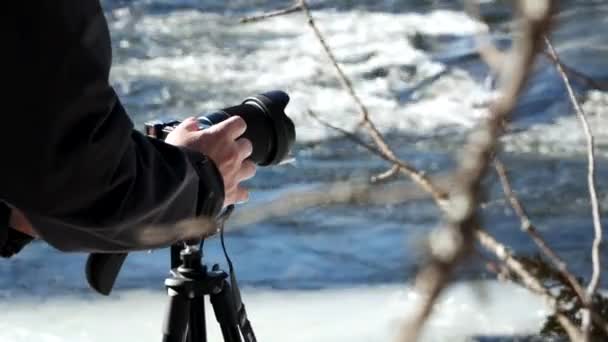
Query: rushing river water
[{"x": 339, "y": 273}]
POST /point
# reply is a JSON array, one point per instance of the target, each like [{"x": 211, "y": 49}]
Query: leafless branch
[
  {"x": 581, "y": 77},
  {"x": 534, "y": 22},
  {"x": 387, "y": 175},
  {"x": 529, "y": 281},
  {"x": 414, "y": 174},
  {"x": 528, "y": 227},
  {"x": 488, "y": 52},
  {"x": 595, "y": 252},
  {"x": 359, "y": 192},
  {"x": 515, "y": 67},
  {"x": 441, "y": 271},
  {"x": 494, "y": 57},
  {"x": 295, "y": 8},
  {"x": 375, "y": 134}
]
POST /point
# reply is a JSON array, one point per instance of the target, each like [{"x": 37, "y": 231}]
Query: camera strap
[{"x": 241, "y": 313}]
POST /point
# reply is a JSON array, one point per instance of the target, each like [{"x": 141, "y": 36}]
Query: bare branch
[
  {"x": 388, "y": 174},
  {"x": 375, "y": 134},
  {"x": 597, "y": 242},
  {"x": 479, "y": 150},
  {"x": 488, "y": 52},
  {"x": 295, "y": 8},
  {"x": 359, "y": 192},
  {"x": 407, "y": 169},
  {"x": 440, "y": 271},
  {"x": 529, "y": 281},
  {"x": 529, "y": 228},
  {"x": 590, "y": 82},
  {"x": 534, "y": 21}
]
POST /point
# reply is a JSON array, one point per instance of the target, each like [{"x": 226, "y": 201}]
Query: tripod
[{"x": 191, "y": 281}]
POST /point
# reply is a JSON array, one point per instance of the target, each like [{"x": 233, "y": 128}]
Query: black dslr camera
[
  {"x": 270, "y": 131},
  {"x": 271, "y": 134}
]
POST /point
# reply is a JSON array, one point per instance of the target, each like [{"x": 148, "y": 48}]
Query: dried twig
[
  {"x": 440, "y": 276},
  {"x": 529, "y": 281},
  {"x": 461, "y": 214},
  {"x": 375, "y": 134},
  {"x": 359, "y": 192},
  {"x": 595, "y": 252},
  {"x": 295, "y": 8},
  {"x": 528, "y": 227},
  {"x": 495, "y": 58},
  {"x": 416, "y": 175},
  {"x": 488, "y": 52},
  {"x": 489, "y": 243},
  {"x": 387, "y": 175},
  {"x": 533, "y": 28},
  {"x": 588, "y": 81}
]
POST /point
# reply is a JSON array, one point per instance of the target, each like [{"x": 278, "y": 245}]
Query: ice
[{"x": 357, "y": 314}]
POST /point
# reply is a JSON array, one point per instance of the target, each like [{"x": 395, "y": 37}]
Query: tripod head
[{"x": 102, "y": 269}]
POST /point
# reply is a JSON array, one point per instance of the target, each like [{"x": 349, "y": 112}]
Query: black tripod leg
[
  {"x": 225, "y": 314},
  {"x": 197, "y": 330},
  {"x": 176, "y": 319}
]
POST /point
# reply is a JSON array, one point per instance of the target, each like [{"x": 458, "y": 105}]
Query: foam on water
[
  {"x": 352, "y": 314},
  {"x": 565, "y": 135},
  {"x": 417, "y": 72},
  {"x": 214, "y": 59}
]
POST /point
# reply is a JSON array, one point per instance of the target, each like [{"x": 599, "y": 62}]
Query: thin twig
[
  {"x": 387, "y": 154},
  {"x": 488, "y": 52},
  {"x": 528, "y": 227},
  {"x": 529, "y": 281},
  {"x": 414, "y": 174},
  {"x": 375, "y": 134},
  {"x": 484, "y": 238},
  {"x": 534, "y": 22},
  {"x": 356, "y": 191},
  {"x": 295, "y": 8},
  {"x": 595, "y": 252},
  {"x": 587, "y": 80},
  {"x": 387, "y": 175},
  {"x": 495, "y": 58}
]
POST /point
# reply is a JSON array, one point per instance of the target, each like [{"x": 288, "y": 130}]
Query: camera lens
[{"x": 270, "y": 131}]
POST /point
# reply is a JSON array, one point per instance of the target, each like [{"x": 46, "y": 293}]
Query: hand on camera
[{"x": 221, "y": 143}]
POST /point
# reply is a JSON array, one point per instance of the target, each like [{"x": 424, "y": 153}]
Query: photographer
[{"x": 75, "y": 172}]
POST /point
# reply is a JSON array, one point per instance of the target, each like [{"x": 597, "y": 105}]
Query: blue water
[{"x": 194, "y": 57}]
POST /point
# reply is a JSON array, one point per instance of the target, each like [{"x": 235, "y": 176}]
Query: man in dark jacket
[{"x": 74, "y": 167}]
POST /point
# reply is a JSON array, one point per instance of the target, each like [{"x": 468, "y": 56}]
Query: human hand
[
  {"x": 220, "y": 142},
  {"x": 19, "y": 222}
]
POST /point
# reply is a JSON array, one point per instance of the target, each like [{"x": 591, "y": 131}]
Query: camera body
[{"x": 270, "y": 131}]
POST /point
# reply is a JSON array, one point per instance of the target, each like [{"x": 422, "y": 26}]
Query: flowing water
[{"x": 343, "y": 272}]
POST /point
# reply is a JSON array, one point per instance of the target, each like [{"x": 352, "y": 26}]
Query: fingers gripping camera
[
  {"x": 235, "y": 138},
  {"x": 269, "y": 130}
]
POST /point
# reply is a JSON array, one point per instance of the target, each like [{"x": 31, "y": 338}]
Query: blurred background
[{"x": 340, "y": 273}]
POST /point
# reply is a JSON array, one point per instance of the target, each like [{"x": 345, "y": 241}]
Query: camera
[{"x": 270, "y": 131}]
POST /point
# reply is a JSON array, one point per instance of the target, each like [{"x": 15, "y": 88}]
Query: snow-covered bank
[{"x": 355, "y": 314}]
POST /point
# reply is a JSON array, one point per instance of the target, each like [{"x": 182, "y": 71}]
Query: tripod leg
[
  {"x": 197, "y": 330},
  {"x": 225, "y": 314},
  {"x": 176, "y": 318}
]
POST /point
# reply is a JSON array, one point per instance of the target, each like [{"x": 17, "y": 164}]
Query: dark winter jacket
[{"x": 72, "y": 159}]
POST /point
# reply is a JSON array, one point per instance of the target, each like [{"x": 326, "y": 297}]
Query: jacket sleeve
[{"x": 72, "y": 160}]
